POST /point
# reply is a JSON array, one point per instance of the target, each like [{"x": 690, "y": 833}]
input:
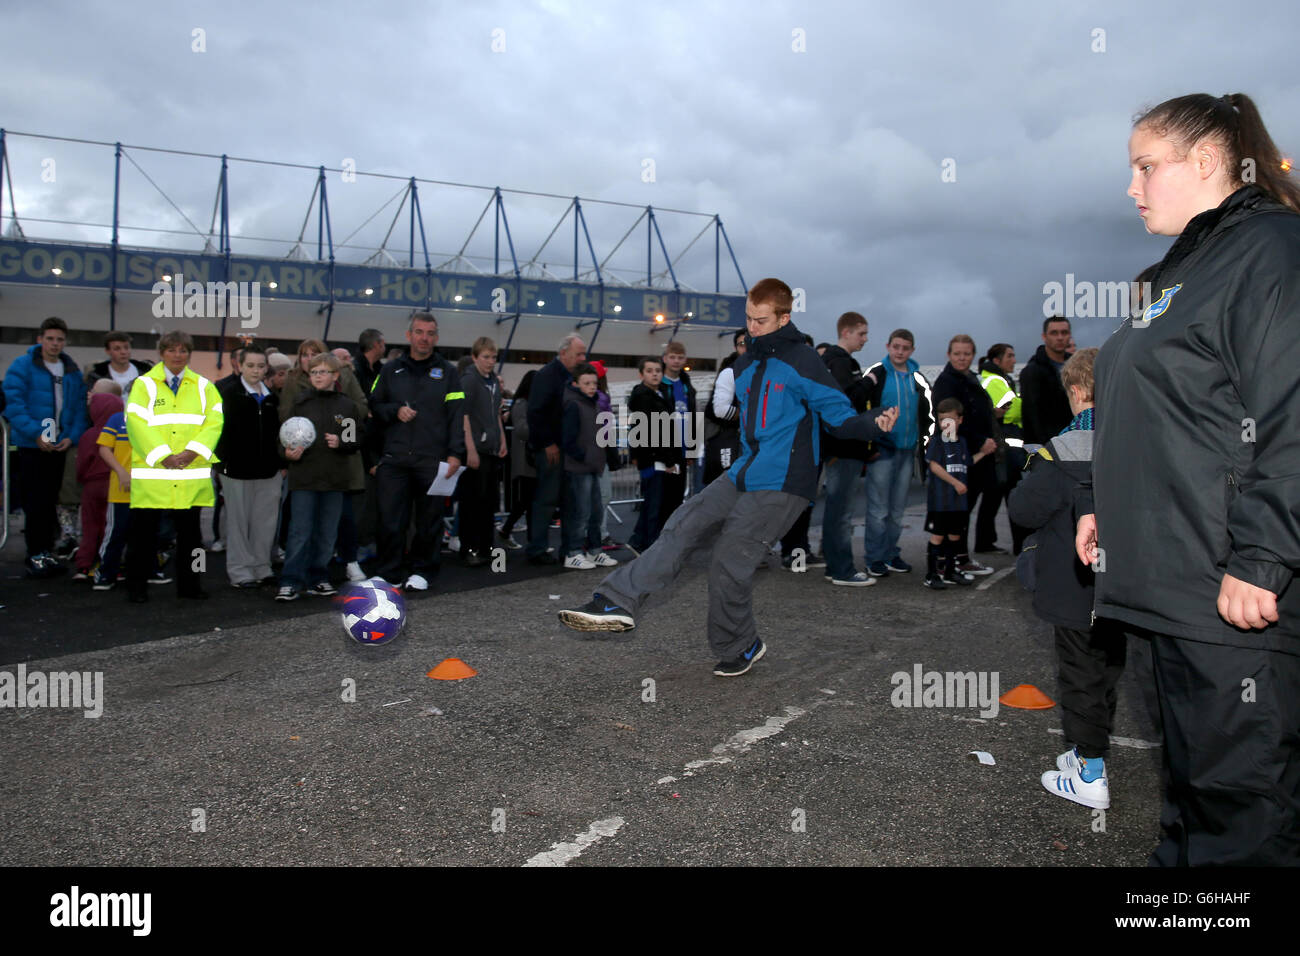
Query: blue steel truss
[{"x": 717, "y": 308}]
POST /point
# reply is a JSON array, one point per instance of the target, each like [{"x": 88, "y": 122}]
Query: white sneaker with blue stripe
[{"x": 1069, "y": 783}]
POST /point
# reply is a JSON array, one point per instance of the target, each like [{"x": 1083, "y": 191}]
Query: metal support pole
[
  {"x": 731, "y": 252},
  {"x": 4, "y": 153},
  {"x": 410, "y": 259},
  {"x": 117, "y": 191},
  {"x": 223, "y": 240}
]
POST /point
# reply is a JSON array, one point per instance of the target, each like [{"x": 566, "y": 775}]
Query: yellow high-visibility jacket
[
  {"x": 1002, "y": 396},
  {"x": 161, "y": 424}
]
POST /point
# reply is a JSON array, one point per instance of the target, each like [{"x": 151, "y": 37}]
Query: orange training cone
[
  {"x": 453, "y": 668},
  {"x": 1026, "y": 697}
]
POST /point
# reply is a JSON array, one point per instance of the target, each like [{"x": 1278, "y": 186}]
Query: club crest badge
[{"x": 1159, "y": 307}]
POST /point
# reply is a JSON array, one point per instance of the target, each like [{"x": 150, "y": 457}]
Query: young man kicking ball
[{"x": 783, "y": 389}]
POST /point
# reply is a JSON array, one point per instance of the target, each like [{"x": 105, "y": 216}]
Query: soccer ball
[
  {"x": 297, "y": 432},
  {"x": 372, "y": 612}
]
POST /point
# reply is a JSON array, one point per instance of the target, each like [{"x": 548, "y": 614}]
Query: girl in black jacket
[{"x": 1197, "y": 477}]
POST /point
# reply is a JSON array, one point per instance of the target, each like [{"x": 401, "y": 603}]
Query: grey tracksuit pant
[
  {"x": 252, "y": 508},
  {"x": 740, "y": 528}
]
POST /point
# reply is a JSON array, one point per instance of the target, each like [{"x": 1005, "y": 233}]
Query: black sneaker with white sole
[
  {"x": 598, "y": 614},
  {"x": 322, "y": 589},
  {"x": 744, "y": 662}
]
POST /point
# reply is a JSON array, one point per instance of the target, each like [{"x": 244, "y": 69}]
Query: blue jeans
[
  {"x": 837, "y": 520},
  {"x": 313, "y": 525},
  {"x": 888, "y": 478},
  {"x": 550, "y": 492},
  {"x": 582, "y": 508}
]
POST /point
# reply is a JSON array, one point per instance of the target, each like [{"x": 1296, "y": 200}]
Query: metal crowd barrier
[{"x": 4, "y": 443}]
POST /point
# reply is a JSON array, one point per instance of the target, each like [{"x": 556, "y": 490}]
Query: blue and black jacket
[
  {"x": 29, "y": 399},
  {"x": 786, "y": 396}
]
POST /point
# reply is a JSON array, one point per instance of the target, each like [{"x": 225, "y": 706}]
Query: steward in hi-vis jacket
[{"x": 174, "y": 420}]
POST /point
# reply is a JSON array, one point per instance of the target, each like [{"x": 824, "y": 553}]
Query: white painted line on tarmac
[
  {"x": 741, "y": 742},
  {"x": 994, "y": 578},
  {"x": 1134, "y": 742},
  {"x": 561, "y": 853}
]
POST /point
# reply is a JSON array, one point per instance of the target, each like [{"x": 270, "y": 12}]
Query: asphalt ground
[
  {"x": 237, "y": 746},
  {"x": 57, "y": 616}
]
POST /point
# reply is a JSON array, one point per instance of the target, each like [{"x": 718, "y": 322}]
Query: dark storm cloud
[{"x": 825, "y": 163}]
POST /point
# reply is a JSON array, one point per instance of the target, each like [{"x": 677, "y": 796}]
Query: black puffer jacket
[
  {"x": 977, "y": 421},
  {"x": 1196, "y": 468},
  {"x": 1044, "y": 502}
]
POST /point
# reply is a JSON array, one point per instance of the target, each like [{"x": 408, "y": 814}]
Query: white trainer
[
  {"x": 354, "y": 572},
  {"x": 601, "y": 560},
  {"x": 1066, "y": 761},
  {"x": 859, "y": 579},
  {"x": 579, "y": 562},
  {"x": 415, "y": 582},
  {"x": 1070, "y": 785}
]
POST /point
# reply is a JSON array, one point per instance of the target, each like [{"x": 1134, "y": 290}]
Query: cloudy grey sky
[{"x": 819, "y": 132}]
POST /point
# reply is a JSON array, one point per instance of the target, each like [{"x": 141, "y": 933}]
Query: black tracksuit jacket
[
  {"x": 249, "y": 448},
  {"x": 1044, "y": 406},
  {"x": 432, "y": 388},
  {"x": 649, "y": 402},
  {"x": 1196, "y": 468},
  {"x": 846, "y": 371}
]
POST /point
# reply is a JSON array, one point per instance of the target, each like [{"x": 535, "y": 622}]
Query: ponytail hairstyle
[
  {"x": 995, "y": 354},
  {"x": 1232, "y": 121}
]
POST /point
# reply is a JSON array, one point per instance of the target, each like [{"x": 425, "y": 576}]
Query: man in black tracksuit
[
  {"x": 1196, "y": 482},
  {"x": 1045, "y": 407},
  {"x": 416, "y": 400}
]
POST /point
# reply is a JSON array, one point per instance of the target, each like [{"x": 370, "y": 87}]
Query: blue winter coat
[
  {"x": 784, "y": 390},
  {"x": 29, "y": 399}
]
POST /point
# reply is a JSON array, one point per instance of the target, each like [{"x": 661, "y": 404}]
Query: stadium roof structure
[{"x": 364, "y": 267}]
